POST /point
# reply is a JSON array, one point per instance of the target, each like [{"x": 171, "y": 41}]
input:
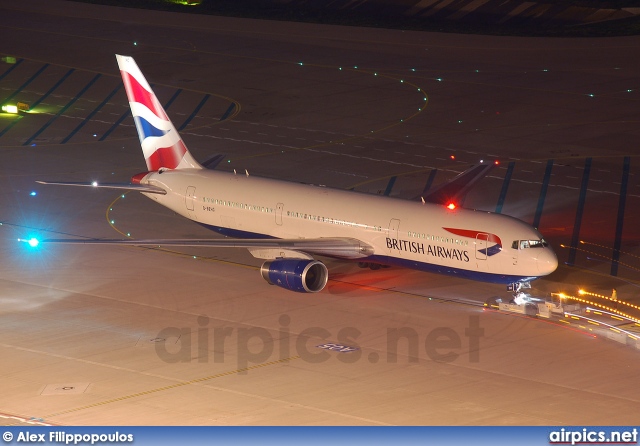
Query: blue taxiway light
[{"x": 33, "y": 242}]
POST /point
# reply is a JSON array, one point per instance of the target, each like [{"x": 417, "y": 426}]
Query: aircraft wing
[
  {"x": 117, "y": 186},
  {"x": 341, "y": 247},
  {"x": 456, "y": 189}
]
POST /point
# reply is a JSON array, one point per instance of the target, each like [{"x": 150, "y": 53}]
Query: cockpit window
[
  {"x": 538, "y": 243},
  {"x": 524, "y": 244}
]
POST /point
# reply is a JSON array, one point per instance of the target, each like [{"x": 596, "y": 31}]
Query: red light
[
  {"x": 451, "y": 206},
  {"x": 496, "y": 162},
  {"x": 452, "y": 157}
]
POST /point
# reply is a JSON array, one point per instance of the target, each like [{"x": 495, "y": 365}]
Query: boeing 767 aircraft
[{"x": 287, "y": 224}]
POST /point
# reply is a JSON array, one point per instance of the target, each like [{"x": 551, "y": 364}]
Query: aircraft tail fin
[{"x": 162, "y": 146}]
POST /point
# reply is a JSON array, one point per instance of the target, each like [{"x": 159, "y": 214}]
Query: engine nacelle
[{"x": 302, "y": 276}]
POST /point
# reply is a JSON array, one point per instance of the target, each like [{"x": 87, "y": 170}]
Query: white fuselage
[{"x": 476, "y": 244}]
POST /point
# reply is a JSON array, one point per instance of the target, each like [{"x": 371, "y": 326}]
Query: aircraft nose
[{"x": 547, "y": 261}]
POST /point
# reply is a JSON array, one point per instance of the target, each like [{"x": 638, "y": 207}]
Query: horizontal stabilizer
[
  {"x": 212, "y": 162},
  {"x": 456, "y": 189},
  {"x": 345, "y": 248},
  {"x": 119, "y": 186}
]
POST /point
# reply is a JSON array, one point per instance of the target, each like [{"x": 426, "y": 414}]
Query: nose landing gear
[{"x": 519, "y": 297}]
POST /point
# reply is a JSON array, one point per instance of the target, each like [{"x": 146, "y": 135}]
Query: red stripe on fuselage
[
  {"x": 474, "y": 234},
  {"x": 137, "y": 93}
]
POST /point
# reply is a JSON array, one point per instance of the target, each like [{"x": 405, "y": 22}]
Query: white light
[
  {"x": 33, "y": 242},
  {"x": 94, "y": 184},
  {"x": 10, "y": 109}
]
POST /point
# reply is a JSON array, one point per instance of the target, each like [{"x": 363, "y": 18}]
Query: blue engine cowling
[{"x": 302, "y": 276}]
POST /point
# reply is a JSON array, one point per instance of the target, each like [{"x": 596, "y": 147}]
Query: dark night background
[{"x": 572, "y": 18}]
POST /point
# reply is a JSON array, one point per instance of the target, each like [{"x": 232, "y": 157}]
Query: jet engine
[{"x": 300, "y": 275}]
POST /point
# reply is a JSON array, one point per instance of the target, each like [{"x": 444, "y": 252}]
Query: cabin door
[
  {"x": 392, "y": 237},
  {"x": 189, "y": 200},
  {"x": 482, "y": 241}
]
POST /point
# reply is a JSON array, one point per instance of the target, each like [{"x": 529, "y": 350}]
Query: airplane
[{"x": 289, "y": 224}]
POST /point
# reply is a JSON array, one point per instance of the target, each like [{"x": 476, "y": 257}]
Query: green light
[
  {"x": 356, "y": 67},
  {"x": 300, "y": 63},
  {"x": 112, "y": 222},
  {"x": 439, "y": 79},
  {"x": 13, "y": 109},
  {"x": 9, "y": 59},
  {"x": 186, "y": 2}
]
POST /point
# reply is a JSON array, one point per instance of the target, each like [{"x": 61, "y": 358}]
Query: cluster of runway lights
[
  {"x": 375, "y": 73},
  {"x": 612, "y": 311}
]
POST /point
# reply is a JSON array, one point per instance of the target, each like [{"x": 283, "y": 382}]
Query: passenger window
[
  {"x": 524, "y": 244},
  {"x": 514, "y": 245}
]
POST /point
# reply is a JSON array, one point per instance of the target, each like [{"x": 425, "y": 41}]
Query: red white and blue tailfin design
[{"x": 161, "y": 144}]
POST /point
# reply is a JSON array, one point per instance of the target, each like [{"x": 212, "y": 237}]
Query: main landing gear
[{"x": 373, "y": 266}]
